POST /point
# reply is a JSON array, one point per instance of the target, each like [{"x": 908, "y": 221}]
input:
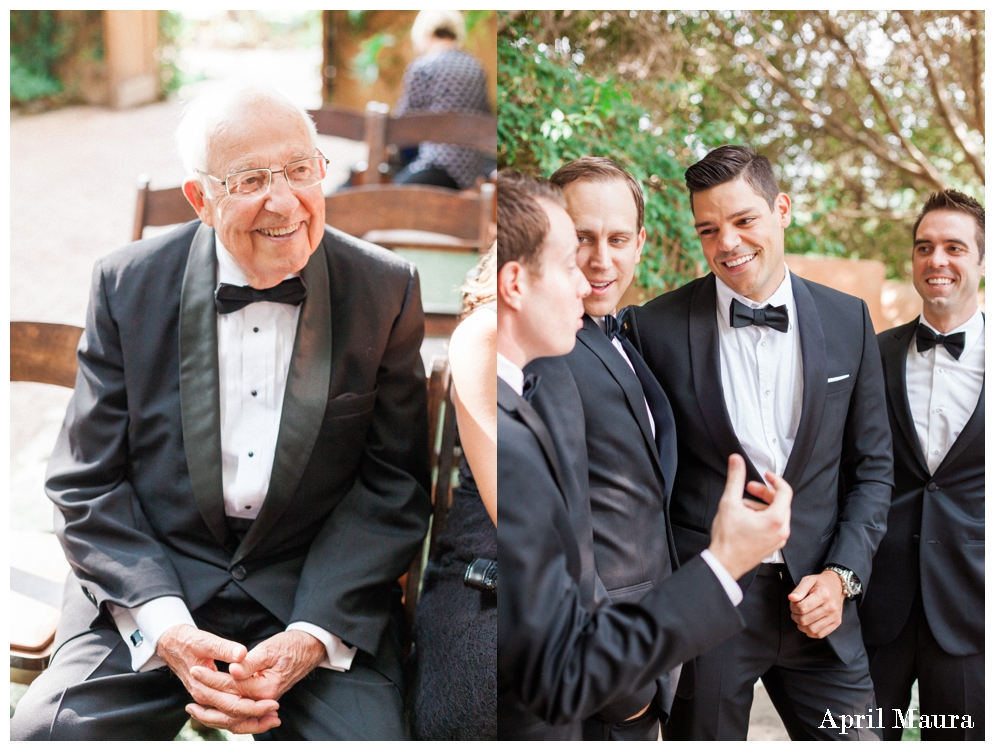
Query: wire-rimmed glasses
[{"x": 255, "y": 183}]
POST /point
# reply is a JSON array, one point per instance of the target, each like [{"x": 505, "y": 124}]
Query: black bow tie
[
  {"x": 613, "y": 330},
  {"x": 529, "y": 386},
  {"x": 741, "y": 315},
  {"x": 926, "y": 339},
  {"x": 228, "y": 298}
]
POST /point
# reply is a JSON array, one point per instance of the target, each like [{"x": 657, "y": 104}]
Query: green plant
[{"x": 35, "y": 47}]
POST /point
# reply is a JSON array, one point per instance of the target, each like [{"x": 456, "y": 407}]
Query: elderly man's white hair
[
  {"x": 207, "y": 115},
  {"x": 429, "y": 21}
]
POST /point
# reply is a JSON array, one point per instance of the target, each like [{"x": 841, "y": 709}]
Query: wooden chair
[
  {"x": 415, "y": 216},
  {"x": 39, "y": 353},
  {"x": 442, "y": 457},
  {"x": 159, "y": 208},
  {"x": 352, "y": 126}
]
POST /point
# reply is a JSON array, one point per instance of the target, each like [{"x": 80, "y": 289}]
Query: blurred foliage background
[{"x": 862, "y": 114}]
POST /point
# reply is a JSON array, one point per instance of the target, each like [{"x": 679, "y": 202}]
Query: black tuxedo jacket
[
  {"x": 561, "y": 657},
  {"x": 630, "y": 472},
  {"x": 136, "y": 472},
  {"x": 840, "y": 466},
  {"x": 936, "y": 525}
]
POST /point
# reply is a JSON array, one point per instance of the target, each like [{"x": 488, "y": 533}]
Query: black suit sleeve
[
  {"x": 371, "y": 537},
  {"x": 866, "y": 465},
  {"x": 562, "y": 661},
  {"x": 103, "y": 530}
]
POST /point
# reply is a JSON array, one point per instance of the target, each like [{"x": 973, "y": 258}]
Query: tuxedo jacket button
[
  {"x": 915, "y": 538},
  {"x": 931, "y": 487},
  {"x": 238, "y": 573}
]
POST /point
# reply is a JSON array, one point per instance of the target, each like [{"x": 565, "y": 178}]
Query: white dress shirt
[
  {"x": 255, "y": 345},
  {"x": 510, "y": 373},
  {"x": 943, "y": 392},
  {"x": 762, "y": 381}
]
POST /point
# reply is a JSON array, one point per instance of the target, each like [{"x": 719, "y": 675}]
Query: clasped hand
[{"x": 243, "y": 700}]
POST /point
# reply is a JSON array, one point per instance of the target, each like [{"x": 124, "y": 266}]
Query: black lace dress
[{"x": 455, "y": 629}]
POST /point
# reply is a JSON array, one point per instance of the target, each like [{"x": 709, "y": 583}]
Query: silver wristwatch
[{"x": 851, "y": 584}]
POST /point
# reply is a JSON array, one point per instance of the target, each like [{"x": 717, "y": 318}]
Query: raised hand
[{"x": 744, "y": 532}]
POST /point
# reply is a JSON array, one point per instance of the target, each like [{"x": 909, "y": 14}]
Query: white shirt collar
[
  {"x": 230, "y": 272},
  {"x": 510, "y": 373},
  {"x": 724, "y": 295},
  {"x": 973, "y": 328}
]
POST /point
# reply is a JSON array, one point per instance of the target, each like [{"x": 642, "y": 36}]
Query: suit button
[
  {"x": 238, "y": 573},
  {"x": 931, "y": 487},
  {"x": 915, "y": 538}
]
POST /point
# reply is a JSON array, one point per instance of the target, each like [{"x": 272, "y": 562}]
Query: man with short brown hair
[
  {"x": 923, "y": 615},
  {"x": 563, "y": 653}
]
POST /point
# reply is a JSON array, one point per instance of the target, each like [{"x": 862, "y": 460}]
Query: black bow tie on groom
[
  {"x": 613, "y": 330},
  {"x": 741, "y": 315},
  {"x": 228, "y": 297},
  {"x": 926, "y": 339}
]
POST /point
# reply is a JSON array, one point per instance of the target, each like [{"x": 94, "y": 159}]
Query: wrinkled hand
[
  {"x": 190, "y": 653},
  {"x": 817, "y": 604},
  {"x": 264, "y": 675},
  {"x": 744, "y": 532}
]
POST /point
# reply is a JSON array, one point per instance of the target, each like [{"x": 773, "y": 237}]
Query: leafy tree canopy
[{"x": 862, "y": 113}]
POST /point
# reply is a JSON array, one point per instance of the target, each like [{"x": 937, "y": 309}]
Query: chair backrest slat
[{"x": 44, "y": 352}]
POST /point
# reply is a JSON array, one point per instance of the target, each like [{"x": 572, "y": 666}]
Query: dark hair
[
  {"x": 522, "y": 221},
  {"x": 599, "y": 169},
  {"x": 953, "y": 200},
  {"x": 727, "y": 163}
]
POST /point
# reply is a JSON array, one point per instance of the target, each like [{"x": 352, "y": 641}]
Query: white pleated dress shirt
[
  {"x": 255, "y": 345},
  {"x": 943, "y": 392},
  {"x": 762, "y": 381}
]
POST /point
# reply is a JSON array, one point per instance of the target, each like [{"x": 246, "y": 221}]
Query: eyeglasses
[{"x": 255, "y": 183}]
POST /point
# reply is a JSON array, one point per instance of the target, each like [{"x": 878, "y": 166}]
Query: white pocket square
[{"x": 838, "y": 378}]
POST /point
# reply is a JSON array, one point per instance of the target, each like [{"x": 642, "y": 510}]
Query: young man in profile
[{"x": 563, "y": 654}]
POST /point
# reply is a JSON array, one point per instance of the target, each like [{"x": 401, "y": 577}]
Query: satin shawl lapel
[
  {"x": 814, "y": 376},
  {"x": 975, "y": 425},
  {"x": 304, "y": 401},
  {"x": 593, "y": 338},
  {"x": 514, "y": 404},
  {"x": 199, "y": 391},
  {"x": 703, "y": 341},
  {"x": 896, "y": 358}
]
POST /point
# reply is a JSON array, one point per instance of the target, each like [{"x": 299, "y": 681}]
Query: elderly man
[{"x": 241, "y": 475}]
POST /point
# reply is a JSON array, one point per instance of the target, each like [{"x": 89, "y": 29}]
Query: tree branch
[{"x": 950, "y": 115}]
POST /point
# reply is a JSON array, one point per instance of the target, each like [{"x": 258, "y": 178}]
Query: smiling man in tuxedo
[
  {"x": 565, "y": 652},
  {"x": 628, "y": 423},
  {"x": 758, "y": 361},
  {"x": 924, "y": 612},
  {"x": 242, "y": 472}
]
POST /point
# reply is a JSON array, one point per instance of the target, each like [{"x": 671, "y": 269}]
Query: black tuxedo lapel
[
  {"x": 895, "y": 363},
  {"x": 813, "y": 343},
  {"x": 578, "y": 509},
  {"x": 594, "y": 339},
  {"x": 199, "y": 391},
  {"x": 304, "y": 401},
  {"x": 975, "y": 425},
  {"x": 512, "y": 403},
  {"x": 703, "y": 340}
]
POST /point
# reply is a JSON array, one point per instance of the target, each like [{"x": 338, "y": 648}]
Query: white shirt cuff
[
  {"x": 339, "y": 656},
  {"x": 142, "y": 627},
  {"x": 729, "y": 584}
]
